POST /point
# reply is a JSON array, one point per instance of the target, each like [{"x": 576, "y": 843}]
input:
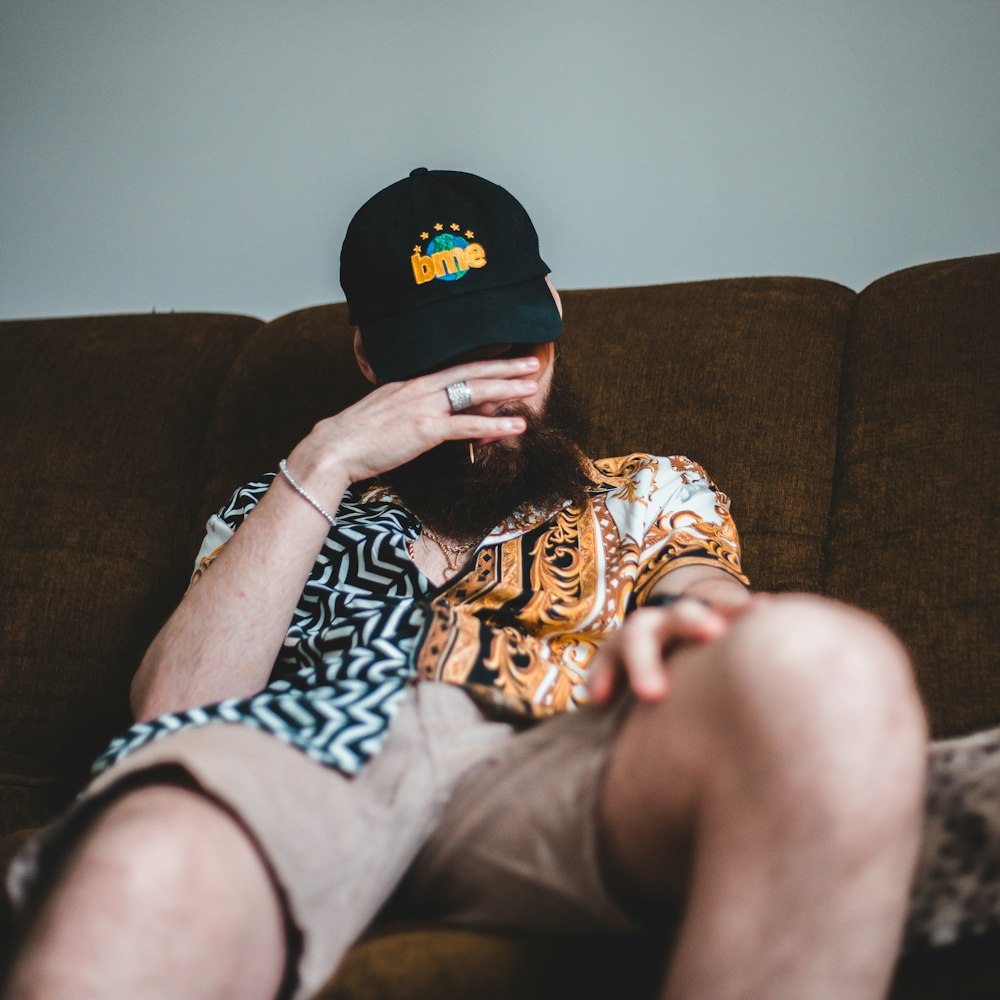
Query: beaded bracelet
[{"x": 303, "y": 492}]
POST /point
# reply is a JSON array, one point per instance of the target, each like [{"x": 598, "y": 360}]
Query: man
[{"x": 374, "y": 697}]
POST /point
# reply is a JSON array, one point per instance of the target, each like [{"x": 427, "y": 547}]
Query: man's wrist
[{"x": 303, "y": 492}]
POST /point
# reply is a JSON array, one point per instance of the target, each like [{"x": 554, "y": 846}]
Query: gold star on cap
[
  {"x": 469, "y": 234},
  {"x": 417, "y": 248},
  {"x": 425, "y": 236},
  {"x": 438, "y": 226},
  {"x": 455, "y": 227}
]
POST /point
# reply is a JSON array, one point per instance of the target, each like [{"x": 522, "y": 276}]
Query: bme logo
[{"x": 447, "y": 257}]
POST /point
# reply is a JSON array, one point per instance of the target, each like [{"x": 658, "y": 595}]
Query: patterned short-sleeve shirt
[{"x": 517, "y": 627}]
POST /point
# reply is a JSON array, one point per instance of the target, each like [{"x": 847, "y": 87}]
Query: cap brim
[{"x": 420, "y": 340}]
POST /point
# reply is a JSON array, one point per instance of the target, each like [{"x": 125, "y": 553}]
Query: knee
[
  {"x": 825, "y": 652},
  {"x": 161, "y": 844},
  {"x": 822, "y": 695}
]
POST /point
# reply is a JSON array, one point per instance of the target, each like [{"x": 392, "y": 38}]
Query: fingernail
[
  {"x": 528, "y": 364},
  {"x": 652, "y": 689},
  {"x": 513, "y": 424},
  {"x": 653, "y": 682}
]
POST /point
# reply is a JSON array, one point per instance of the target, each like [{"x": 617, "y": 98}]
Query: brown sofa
[{"x": 856, "y": 434}]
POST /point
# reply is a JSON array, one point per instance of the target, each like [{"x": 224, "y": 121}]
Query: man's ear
[
  {"x": 363, "y": 363},
  {"x": 555, "y": 295}
]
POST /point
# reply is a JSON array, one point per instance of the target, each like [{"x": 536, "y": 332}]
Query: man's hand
[
  {"x": 640, "y": 650},
  {"x": 400, "y": 420}
]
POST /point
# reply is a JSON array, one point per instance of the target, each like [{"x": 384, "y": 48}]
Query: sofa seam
[{"x": 850, "y": 335}]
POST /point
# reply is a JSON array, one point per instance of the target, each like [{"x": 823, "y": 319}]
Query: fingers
[
  {"x": 651, "y": 636},
  {"x": 696, "y": 621},
  {"x": 486, "y": 391},
  {"x": 641, "y": 649},
  {"x": 474, "y": 427},
  {"x": 493, "y": 368},
  {"x": 603, "y": 676},
  {"x": 489, "y": 383}
]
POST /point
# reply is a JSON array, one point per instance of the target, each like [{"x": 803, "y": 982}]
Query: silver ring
[{"x": 459, "y": 397}]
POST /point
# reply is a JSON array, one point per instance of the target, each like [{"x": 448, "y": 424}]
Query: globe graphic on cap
[{"x": 447, "y": 241}]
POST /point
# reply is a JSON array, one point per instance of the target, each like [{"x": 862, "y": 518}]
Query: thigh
[
  {"x": 518, "y": 844},
  {"x": 336, "y": 847}
]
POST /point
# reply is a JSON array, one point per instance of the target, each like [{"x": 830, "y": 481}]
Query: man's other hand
[{"x": 640, "y": 650}]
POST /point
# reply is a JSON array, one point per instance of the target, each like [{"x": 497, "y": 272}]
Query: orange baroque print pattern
[
  {"x": 691, "y": 471},
  {"x": 524, "y": 674},
  {"x": 521, "y": 624},
  {"x": 562, "y": 572},
  {"x": 624, "y": 473},
  {"x": 519, "y": 671},
  {"x": 622, "y": 555},
  {"x": 683, "y": 538}
]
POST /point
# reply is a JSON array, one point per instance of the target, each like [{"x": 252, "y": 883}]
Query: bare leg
[
  {"x": 165, "y": 896},
  {"x": 779, "y": 789}
]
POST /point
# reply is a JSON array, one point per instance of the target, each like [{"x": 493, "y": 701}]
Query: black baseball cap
[{"x": 438, "y": 264}]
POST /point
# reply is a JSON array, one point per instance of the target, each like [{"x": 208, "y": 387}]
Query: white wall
[{"x": 207, "y": 154}]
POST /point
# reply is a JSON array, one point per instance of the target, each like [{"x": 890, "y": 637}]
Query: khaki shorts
[{"x": 457, "y": 819}]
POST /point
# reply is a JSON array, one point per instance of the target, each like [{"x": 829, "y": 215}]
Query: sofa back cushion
[
  {"x": 915, "y": 522},
  {"x": 106, "y": 419},
  {"x": 289, "y": 374}
]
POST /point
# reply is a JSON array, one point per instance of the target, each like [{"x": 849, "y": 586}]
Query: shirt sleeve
[
  {"x": 688, "y": 524},
  {"x": 222, "y": 526}
]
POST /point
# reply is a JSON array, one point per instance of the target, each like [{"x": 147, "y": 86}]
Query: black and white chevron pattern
[{"x": 349, "y": 651}]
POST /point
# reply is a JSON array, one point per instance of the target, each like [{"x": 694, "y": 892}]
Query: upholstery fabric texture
[{"x": 856, "y": 434}]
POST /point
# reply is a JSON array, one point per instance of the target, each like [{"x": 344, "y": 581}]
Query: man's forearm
[{"x": 223, "y": 639}]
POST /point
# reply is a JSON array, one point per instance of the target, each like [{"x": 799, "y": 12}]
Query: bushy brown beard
[{"x": 542, "y": 467}]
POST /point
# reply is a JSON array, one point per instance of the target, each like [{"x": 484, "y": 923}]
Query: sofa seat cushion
[{"x": 451, "y": 964}]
